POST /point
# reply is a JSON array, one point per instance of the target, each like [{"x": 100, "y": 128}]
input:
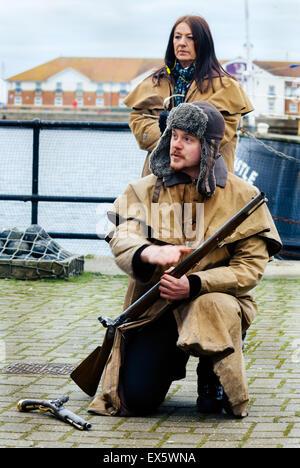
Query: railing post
[{"x": 35, "y": 170}]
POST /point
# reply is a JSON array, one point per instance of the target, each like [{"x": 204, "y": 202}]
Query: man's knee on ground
[{"x": 142, "y": 400}]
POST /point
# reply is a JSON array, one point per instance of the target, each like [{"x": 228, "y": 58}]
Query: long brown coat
[
  {"x": 146, "y": 100},
  {"x": 212, "y": 323}
]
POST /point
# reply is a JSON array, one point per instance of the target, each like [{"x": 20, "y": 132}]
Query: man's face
[{"x": 185, "y": 153}]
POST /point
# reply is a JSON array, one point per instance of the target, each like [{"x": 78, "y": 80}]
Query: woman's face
[{"x": 184, "y": 47}]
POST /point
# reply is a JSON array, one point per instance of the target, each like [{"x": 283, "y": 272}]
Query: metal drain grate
[{"x": 38, "y": 368}]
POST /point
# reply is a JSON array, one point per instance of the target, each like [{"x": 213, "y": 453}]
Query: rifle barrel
[
  {"x": 87, "y": 375},
  {"x": 145, "y": 301}
]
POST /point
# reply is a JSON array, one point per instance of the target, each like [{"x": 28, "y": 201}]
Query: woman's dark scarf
[{"x": 183, "y": 78}]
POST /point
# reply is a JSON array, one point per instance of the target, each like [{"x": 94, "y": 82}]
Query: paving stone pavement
[{"x": 56, "y": 322}]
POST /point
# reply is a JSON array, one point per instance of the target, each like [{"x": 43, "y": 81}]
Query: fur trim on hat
[
  {"x": 184, "y": 117},
  {"x": 192, "y": 119}
]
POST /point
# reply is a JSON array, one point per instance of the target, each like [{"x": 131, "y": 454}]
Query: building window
[
  {"x": 18, "y": 101},
  {"x": 37, "y": 101},
  {"x": 79, "y": 101},
  {"x": 293, "y": 107},
  {"x": 99, "y": 90},
  {"x": 121, "y": 103},
  {"x": 291, "y": 90},
  {"x": 271, "y": 106},
  {"x": 123, "y": 89},
  {"x": 99, "y": 102},
  {"x": 79, "y": 89},
  {"x": 272, "y": 91},
  {"x": 58, "y": 101},
  {"x": 58, "y": 89},
  {"x": 18, "y": 89},
  {"x": 38, "y": 88}
]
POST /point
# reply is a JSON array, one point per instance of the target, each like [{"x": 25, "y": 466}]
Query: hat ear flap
[
  {"x": 206, "y": 184},
  {"x": 160, "y": 157}
]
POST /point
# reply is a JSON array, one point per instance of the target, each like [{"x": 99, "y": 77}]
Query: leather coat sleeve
[
  {"x": 231, "y": 126},
  {"x": 245, "y": 269},
  {"x": 145, "y": 129},
  {"x": 125, "y": 242},
  {"x": 146, "y": 104}
]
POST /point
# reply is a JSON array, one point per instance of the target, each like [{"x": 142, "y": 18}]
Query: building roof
[
  {"x": 280, "y": 68},
  {"x": 96, "y": 69},
  {"x": 126, "y": 69}
]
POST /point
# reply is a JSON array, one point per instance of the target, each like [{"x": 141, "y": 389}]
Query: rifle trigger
[
  {"x": 219, "y": 244},
  {"x": 44, "y": 409}
]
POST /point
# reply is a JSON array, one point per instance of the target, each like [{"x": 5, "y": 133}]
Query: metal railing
[{"x": 37, "y": 125}]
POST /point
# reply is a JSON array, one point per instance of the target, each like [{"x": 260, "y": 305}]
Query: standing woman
[{"x": 191, "y": 73}]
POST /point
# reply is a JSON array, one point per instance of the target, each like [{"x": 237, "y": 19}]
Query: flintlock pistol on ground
[{"x": 56, "y": 408}]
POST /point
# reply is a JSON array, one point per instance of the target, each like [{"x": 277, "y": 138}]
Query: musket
[
  {"x": 88, "y": 374},
  {"x": 57, "y": 409}
]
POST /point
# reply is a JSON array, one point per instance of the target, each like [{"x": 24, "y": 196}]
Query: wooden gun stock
[
  {"x": 88, "y": 374},
  {"x": 55, "y": 408}
]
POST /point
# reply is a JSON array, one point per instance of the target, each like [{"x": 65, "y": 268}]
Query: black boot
[
  {"x": 243, "y": 341},
  {"x": 210, "y": 391}
]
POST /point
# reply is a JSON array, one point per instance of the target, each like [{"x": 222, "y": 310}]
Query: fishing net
[{"x": 32, "y": 254}]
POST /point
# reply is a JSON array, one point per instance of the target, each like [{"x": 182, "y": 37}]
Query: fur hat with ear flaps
[{"x": 200, "y": 119}]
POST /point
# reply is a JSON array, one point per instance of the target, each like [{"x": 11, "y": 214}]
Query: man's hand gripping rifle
[{"x": 87, "y": 375}]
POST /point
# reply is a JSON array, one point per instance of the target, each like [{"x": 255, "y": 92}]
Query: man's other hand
[{"x": 163, "y": 255}]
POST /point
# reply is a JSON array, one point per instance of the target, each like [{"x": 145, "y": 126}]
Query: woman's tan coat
[
  {"x": 212, "y": 323},
  {"x": 147, "y": 100}
]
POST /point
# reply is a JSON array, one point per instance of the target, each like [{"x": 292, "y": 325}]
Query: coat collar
[{"x": 220, "y": 171}]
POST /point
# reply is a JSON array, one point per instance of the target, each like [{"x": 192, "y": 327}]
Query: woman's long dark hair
[{"x": 206, "y": 65}]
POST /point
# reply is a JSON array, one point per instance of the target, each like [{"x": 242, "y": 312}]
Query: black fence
[
  {"x": 34, "y": 197},
  {"x": 76, "y": 166}
]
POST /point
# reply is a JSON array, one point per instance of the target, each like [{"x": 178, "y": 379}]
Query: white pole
[
  {"x": 248, "y": 46},
  {"x": 250, "y": 77}
]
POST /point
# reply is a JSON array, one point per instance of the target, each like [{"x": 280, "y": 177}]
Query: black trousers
[{"x": 150, "y": 362}]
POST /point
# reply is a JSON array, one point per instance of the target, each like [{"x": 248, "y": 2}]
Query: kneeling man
[{"x": 188, "y": 197}]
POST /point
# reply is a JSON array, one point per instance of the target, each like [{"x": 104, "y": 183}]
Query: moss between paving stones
[{"x": 56, "y": 321}]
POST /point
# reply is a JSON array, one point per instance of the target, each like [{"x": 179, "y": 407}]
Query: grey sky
[{"x": 35, "y": 31}]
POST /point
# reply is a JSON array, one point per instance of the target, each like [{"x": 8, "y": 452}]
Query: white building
[
  {"x": 78, "y": 82},
  {"x": 3, "y": 93},
  {"x": 273, "y": 87}
]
